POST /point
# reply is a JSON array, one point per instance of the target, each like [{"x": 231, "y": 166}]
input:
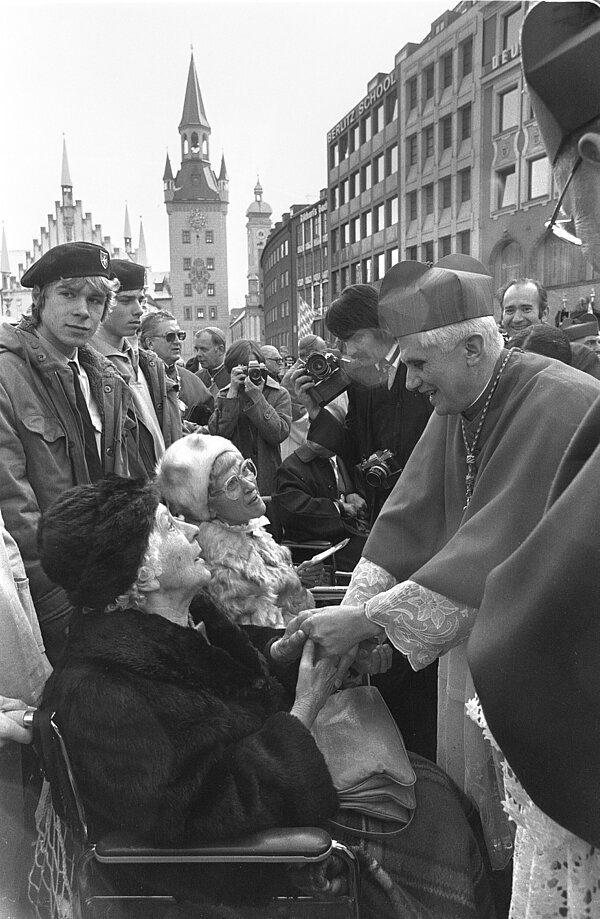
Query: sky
[{"x": 111, "y": 77}]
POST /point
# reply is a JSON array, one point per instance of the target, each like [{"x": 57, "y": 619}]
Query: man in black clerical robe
[
  {"x": 473, "y": 489},
  {"x": 535, "y": 649}
]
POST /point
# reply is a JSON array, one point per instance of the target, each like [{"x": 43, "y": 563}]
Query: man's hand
[
  {"x": 358, "y": 503},
  {"x": 336, "y": 629},
  {"x": 287, "y": 649},
  {"x": 303, "y": 383},
  {"x": 11, "y": 721}
]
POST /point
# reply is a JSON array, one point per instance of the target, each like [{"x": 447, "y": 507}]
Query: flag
[{"x": 306, "y": 316}]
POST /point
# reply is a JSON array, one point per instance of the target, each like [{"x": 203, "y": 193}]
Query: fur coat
[
  {"x": 252, "y": 576},
  {"x": 176, "y": 737}
]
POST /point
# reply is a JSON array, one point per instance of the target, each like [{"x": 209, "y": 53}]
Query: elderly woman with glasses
[{"x": 206, "y": 479}]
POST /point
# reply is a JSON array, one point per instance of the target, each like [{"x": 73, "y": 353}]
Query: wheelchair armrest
[
  {"x": 328, "y": 596},
  {"x": 296, "y": 844}
]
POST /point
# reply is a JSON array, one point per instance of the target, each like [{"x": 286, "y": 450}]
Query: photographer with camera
[
  {"x": 254, "y": 411},
  {"x": 382, "y": 414}
]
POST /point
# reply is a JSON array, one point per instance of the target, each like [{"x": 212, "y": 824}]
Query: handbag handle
[{"x": 369, "y": 834}]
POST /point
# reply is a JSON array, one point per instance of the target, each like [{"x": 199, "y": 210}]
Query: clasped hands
[{"x": 340, "y": 631}]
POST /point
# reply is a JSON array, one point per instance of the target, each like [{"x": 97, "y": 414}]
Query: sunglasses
[
  {"x": 173, "y": 336},
  {"x": 564, "y": 229}
]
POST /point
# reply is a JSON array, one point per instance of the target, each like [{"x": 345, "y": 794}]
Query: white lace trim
[
  {"x": 420, "y": 622},
  {"x": 555, "y": 873}
]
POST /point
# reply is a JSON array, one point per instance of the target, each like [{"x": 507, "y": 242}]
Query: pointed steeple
[
  {"x": 193, "y": 106},
  {"x": 65, "y": 179},
  {"x": 141, "y": 256},
  {"x": 4, "y": 261},
  {"x": 168, "y": 173},
  {"x": 127, "y": 229},
  {"x": 223, "y": 177}
]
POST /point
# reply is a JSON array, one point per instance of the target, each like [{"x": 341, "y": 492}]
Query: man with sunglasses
[
  {"x": 160, "y": 333},
  {"x": 535, "y": 650}
]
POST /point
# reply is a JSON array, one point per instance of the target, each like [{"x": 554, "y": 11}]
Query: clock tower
[
  {"x": 197, "y": 201},
  {"x": 258, "y": 228}
]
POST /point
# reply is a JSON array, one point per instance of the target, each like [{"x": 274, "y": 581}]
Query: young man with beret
[
  {"x": 154, "y": 395},
  {"x": 64, "y": 410},
  {"x": 473, "y": 489},
  {"x": 535, "y": 649}
]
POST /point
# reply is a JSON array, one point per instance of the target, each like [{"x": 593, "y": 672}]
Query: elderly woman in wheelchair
[{"x": 178, "y": 731}]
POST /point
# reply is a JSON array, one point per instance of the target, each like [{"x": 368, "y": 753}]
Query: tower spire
[
  {"x": 193, "y": 106},
  {"x": 127, "y": 231},
  {"x": 65, "y": 177},
  {"x": 142, "y": 257},
  {"x": 4, "y": 260}
]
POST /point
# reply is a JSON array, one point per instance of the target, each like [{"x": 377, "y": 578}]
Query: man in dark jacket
[
  {"x": 64, "y": 410},
  {"x": 154, "y": 395},
  {"x": 209, "y": 345}
]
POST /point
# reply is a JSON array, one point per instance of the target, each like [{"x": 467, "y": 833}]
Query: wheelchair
[{"x": 121, "y": 876}]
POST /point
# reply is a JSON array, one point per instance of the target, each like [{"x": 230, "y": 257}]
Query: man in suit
[{"x": 209, "y": 345}]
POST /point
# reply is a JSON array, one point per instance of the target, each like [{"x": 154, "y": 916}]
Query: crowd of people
[{"x": 148, "y": 598}]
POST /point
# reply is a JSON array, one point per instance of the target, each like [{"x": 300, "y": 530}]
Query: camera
[
  {"x": 381, "y": 469},
  {"x": 256, "y": 372},
  {"x": 330, "y": 378}
]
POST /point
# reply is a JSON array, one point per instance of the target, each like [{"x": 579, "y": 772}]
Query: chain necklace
[{"x": 470, "y": 448}]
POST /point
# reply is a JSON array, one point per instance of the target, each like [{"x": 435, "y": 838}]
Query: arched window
[
  {"x": 558, "y": 262},
  {"x": 195, "y": 143},
  {"x": 185, "y": 145},
  {"x": 507, "y": 263},
  {"x": 204, "y": 145}
]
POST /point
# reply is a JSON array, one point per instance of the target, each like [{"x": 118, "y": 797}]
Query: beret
[
  {"x": 560, "y": 46},
  {"x": 130, "y": 275},
  {"x": 70, "y": 260},
  {"x": 415, "y": 297}
]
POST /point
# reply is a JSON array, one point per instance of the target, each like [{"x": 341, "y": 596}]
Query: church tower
[
  {"x": 258, "y": 228},
  {"x": 197, "y": 202}
]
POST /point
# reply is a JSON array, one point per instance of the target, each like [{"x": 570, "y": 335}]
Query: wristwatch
[{"x": 28, "y": 718}]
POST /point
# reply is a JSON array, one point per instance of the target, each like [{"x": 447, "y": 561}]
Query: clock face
[
  {"x": 197, "y": 219},
  {"x": 199, "y": 275}
]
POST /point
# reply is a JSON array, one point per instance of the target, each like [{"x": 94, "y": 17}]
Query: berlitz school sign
[{"x": 363, "y": 106}]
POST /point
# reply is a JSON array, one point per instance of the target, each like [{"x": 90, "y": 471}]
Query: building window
[
  {"x": 355, "y": 229},
  {"x": 508, "y": 110},
  {"x": 378, "y": 218},
  {"x": 344, "y": 277},
  {"x": 210, "y": 290},
  {"x": 209, "y": 237},
  {"x": 210, "y": 264},
  {"x": 365, "y": 129},
  {"x": 378, "y": 169},
  {"x": 378, "y": 118},
  {"x": 391, "y": 160},
  {"x": 411, "y": 150},
  {"x": 446, "y": 132},
  {"x": 343, "y": 192},
  {"x": 411, "y": 93},
  {"x": 187, "y": 264},
  {"x": 335, "y": 283},
  {"x": 187, "y": 314},
  {"x": 354, "y": 138},
  {"x": 355, "y": 273},
  {"x": 445, "y": 192},
  {"x": 333, "y": 156},
  {"x": 464, "y": 185},
  {"x": 212, "y": 312},
  {"x": 366, "y": 225},
  {"x": 367, "y": 174},
  {"x": 446, "y": 70},
  {"x": 391, "y": 107},
  {"x": 444, "y": 246},
  {"x": 411, "y": 205},
  {"x": 428, "y": 145},
  {"x": 343, "y": 236},
  {"x": 335, "y": 239},
  {"x": 506, "y": 187},
  {"x": 464, "y": 242},
  {"x": 428, "y": 252},
  {"x": 428, "y": 82},
  {"x": 185, "y": 236},
  {"x": 391, "y": 211},
  {"x": 511, "y": 26},
  {"x": 489, "y": 39},
  {"x": 537, "y": 177},
  {"x": 428, "y": 199},
  {"x": 366, "y": 271},
  {"x": 391, "y": 257},
  {"x": 334, "y": 198},
  {"x": 411, "y": 253},
  {"x": 464, "y": 121},
  {"x": 343, "y": 147},
  {"x": 466, "y": 56},
  {"x": 200, "y": 312},
  {"x": 353, "y": 189},
  {"x": 187, "y": 290}
]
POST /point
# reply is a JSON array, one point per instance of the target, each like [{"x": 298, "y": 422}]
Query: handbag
[{"x": 367, "y": 759}]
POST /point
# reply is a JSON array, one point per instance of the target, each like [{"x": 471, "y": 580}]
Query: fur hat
[
  {"x": 92, "y": 540},
  {"x": 184, "y": 473}
]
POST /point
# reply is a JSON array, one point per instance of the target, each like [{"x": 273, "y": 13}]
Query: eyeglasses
[
  {"x": 172, "y": 336},
  {"x": 233, "y": 486},
  {"x": 276, "y": 360},
  {"x": 562, "y": 228}
]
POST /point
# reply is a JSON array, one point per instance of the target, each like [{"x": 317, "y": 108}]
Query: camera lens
[
  {"x": 376, "y": 476},
  {"x": 318, "y": 366}
]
